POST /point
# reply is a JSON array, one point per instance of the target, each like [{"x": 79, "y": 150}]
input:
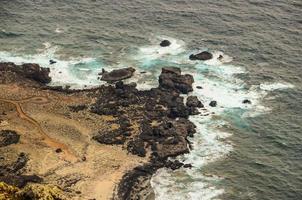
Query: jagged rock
[
  {"x": 201, "y": 56},
  {"x": 28, "y": 70},
  {"x": 213, "y": 103},
  {"x": 170, "y": 79},
  {"x": 118, "y": 74},
  {"x": 8, "y": 137},
  {"x": 192, "y": 101},
  {"x": 165, "y": 43}
]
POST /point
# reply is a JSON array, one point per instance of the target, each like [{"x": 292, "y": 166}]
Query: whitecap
[
  {"x": 59, "y": 30},
  {"x": 276, "y": 86},
  {"x": 154, "y": 53},
  {"x": 76, "y": 73},
  {"x": 219, "y": 58}
]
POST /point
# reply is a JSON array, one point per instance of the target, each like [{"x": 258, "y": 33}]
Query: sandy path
[{"x": 68, "y": 155}]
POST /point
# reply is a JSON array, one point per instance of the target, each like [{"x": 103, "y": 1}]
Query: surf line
[{"x": 69, "y": 156}]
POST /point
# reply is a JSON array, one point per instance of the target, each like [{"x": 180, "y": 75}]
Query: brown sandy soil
[{"x": 84, "y": 169}]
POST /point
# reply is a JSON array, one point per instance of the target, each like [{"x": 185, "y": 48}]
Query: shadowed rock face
[
  {"x": 29, "y": 71},
  {"x": 171, "y": 79},
  {"x": 117, "y": 75},
  {"x": 201, "y": 56},
  {"x": 192, "y": 101}
]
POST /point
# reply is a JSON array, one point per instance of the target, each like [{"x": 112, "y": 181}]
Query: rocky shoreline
[{"x": 151, "y": 124}]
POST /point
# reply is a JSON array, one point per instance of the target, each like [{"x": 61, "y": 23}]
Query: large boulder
[
  {"x": 192, "y": 101},
  {"x": 118, "y": 74},
  {"x": 201, "y": 56},
  {"x": 37, "y": 73},
  {"x": 171, "y": 79},
  {"x": 165, "y": 43}
]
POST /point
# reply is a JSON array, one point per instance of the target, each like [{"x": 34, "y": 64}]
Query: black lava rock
[
  {"x": 201, "y": 56},
  {"x": 213, "y": 103},
  {"x": 8, "y": 137},
  {"x": 165, "y": 43},
  {"x": 246, "y": 101}
]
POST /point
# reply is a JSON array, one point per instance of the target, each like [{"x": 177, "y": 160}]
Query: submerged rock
[
  {"x": 165, "y": 43},
  {"x": 201, "y": 56},
  {"x": 118, "y": 74}
]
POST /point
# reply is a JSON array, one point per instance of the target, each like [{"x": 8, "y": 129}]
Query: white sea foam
[
  {"x": 275, "y": 86},
  {"x": 219, "y": 61},
  {"x": 76, "y": 73},
  {"x": 59, "y": 30},
  {"x": 147, "y": 55}
]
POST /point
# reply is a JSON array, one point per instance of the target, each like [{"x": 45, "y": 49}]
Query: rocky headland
[{"x": 100, "y": 143}]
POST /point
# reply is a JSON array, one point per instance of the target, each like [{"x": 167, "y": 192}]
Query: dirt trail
[{"x": 68, "y": 155}]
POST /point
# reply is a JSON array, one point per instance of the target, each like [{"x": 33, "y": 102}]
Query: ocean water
[{"x": 240, "y": 151}]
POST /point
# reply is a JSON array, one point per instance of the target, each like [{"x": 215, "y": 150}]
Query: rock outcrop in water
[
  {"x": 28, "y": 70},
  {"x": 117, "y": 75},
  {"x": 201, "y": 56},
  {"x": 165, "y": 43},
  {"x": 172, "y": 80}
]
